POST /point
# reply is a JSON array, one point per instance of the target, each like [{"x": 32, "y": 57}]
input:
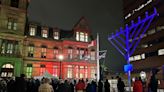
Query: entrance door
[{"x": 7, "y": 70}]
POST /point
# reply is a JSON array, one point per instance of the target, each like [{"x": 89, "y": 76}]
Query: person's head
[
  {"x": 106, "y": 80},
  {"x": 119, "y": 79},
  {"x": 136, "y": 78},
  {"x": 22, "y": 75},
  {"x": 46, "y": 80},
  {"x": 155, "y": 71}
]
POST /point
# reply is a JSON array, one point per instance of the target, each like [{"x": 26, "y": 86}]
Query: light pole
[{"x": 60, "y": 59}]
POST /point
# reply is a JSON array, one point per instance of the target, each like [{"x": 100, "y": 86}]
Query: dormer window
[
  {"x": 45, "y": 33},
  {"x": 82, "y": 36},
  {"x": 77, "y": 36},
  {"x": 32, "y": 31},
  {"x": 56, "y": 35},
  {"x": 86, "y": 37}
]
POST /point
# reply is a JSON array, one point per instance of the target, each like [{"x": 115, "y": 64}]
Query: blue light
[
  {"x": 125, "y": 47},
  {"x": 128, "y": 67}
]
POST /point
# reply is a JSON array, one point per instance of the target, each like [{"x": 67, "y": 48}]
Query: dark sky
[{"x": 104, "y": 17}]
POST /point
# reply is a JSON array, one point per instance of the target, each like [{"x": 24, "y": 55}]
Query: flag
[
  {"x": 102, "y": 54},
  {"x": 92, "y": 43}
]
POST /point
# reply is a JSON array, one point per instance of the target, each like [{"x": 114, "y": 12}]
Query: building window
[
  {"x": 86, "y": 72},
  {"x": 56, "y": 52},
  {"x": 7, "y": 66},
  {"x": 14, "y": 3},
  {"x": 131, "y": 58},
  {"x": 86, "y": 37},
  {"x": 161, "y": 52},
  {"x": 144, "y": 45},
  {"x": 143, "y": 35},
  {"x": 32, "y": 31},
  {"x": 69, "y": 73},
  {"x": 44, "y": 33},
  {"x": 81, "y": 54},
  {"x": 77, "y": 36},
  {"x": 137, "y": 57},
  {"x": 160, "y": 28},
  {"x": 93, "y": 72},
  {"x": 93, "y": 55},
  {"x": 3, "y": 48},
  {"x": 43, "y": 52},
  {"x": 70, "y": 51},
  {"x": 82, "y": 72},
  {"x": 7, "y": 70},
  {"x": 12, "y": 24},
  {"x": 143, "y": 56},
  {"x": 29, "y": 70},
  {"x": 31, "y": 51},
  {"x": 42, "y": 69},
  {"x": 56, "y": 35},
  {"x": 150, "y": 32},
  {"x": 55, "y": 71},
  {"x": 82, "y": 36},
  {"x": 9, "y": 48},
  {"x": 77, "y": 71}
]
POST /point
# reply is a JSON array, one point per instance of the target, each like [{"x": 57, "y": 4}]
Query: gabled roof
[{"x": 82, "y": 24}]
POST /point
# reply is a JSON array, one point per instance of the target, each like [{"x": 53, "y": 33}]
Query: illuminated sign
[{"x": 138, "y": 9}]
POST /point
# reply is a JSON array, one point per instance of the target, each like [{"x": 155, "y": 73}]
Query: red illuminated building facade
[{"x": 43, "y": 45}]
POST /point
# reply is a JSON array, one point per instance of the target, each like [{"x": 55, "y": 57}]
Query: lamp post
[{"x": 60, "y": 59}]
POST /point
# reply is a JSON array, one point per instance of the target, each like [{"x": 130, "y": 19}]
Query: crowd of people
[{"x": 21, "y": 84}]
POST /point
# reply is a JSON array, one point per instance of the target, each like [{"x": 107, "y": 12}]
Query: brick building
[
  {"x": 34, "y": 49},
  {"x": 43, "y": 45}
]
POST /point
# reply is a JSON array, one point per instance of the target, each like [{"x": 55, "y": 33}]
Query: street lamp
[{"x": 60, "y": 59}]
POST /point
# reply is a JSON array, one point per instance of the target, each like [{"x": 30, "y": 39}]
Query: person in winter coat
[
  {"x": 100, "y": 86},
  {"x": 93, "y": 86},
  {"x": 45, "y": 87},
  {"x": 20, "y": 84},
  {"x": 137, "y": 86},
  {"x": 120, "y": 85},
  {"x": 80, "y": 86},
  {"x": 107, "y": 86}
]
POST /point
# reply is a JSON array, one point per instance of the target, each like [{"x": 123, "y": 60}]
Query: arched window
[
  {"x": 7, "y": 66},
  {"x": 7, "y": 70}
]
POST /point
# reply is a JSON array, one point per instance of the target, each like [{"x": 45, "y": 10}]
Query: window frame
[
  {"x": 32, "y": 30},
  {"x": 44, "y": 32}
]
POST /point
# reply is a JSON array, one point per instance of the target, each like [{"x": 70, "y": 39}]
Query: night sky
[{"x": 104, "y": 17}]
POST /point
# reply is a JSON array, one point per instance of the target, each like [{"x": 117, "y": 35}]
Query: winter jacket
[
  {"x": 45, "y": 88},
  {"x": 137, "y": 86}
]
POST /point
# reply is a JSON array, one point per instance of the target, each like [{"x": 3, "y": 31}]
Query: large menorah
[{"x": 126, "y": 40}]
